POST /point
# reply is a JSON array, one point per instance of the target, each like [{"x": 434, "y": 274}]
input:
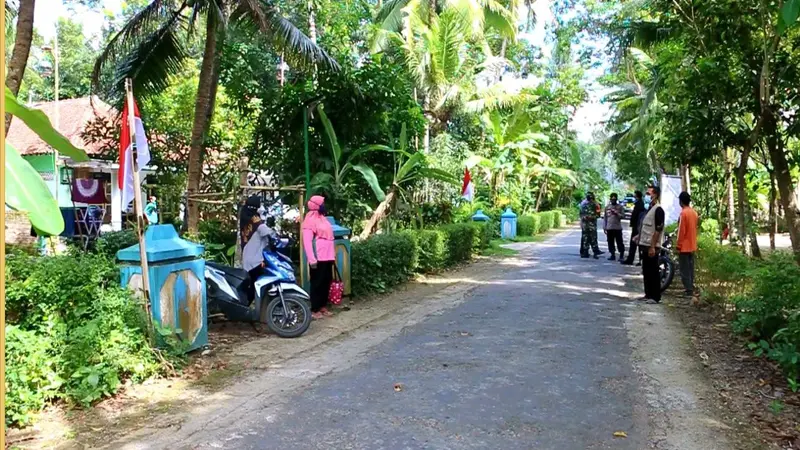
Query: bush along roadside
[
  {"x": 72, "y": 334},
  {"x": 386, "y": 260},
  {"x": 764, "y": 296}
]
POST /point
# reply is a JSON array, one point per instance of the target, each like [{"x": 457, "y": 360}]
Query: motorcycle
[
  {"x": 666, "y": 266},
  {"x": 274, "y": 299}
]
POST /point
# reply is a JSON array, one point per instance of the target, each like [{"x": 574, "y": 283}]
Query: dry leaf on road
[{"x": 620, "y": 434}]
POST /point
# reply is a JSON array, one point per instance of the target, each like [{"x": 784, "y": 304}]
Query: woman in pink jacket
[{"x": 318, "y": 245}]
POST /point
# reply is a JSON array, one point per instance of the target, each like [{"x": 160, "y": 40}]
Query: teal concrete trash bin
[
  {"x": 479, "y": 216},
  {"x": 177, "y": 282},
  {"x": 508, "y": 224},
  {"x": 341, "y": 244}
]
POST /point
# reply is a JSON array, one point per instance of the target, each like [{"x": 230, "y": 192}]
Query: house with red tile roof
[{"x": 75, "y": 185}]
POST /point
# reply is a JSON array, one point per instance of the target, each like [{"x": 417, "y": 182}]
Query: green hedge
[
  {"x": 383, "y": 261},
  {"x": 432, "y": 247},
  {"x": 386, "y": 260},
  {"x": 528, "y": 225},
  {"x": 73, "y": 334}
]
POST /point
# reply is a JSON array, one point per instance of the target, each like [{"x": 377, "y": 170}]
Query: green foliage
[
  {"x": 484, "y": 233},
  {"x": 382, "y": 261},
  {"x": 710, "y": 228},
  {"x": 219, "y": 241},
  {"x": 461, "y": 239},
  {"x": 108, "y": 244},
  {"x": 529, "y": 225},
  {"x": 74, "y": 333},
  {"x": 545, "y": 222},
  {"x": 432, "y": 250},
  {"x": 722, "y": 271}
]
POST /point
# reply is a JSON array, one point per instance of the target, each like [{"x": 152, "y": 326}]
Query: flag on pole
[
  {"x": 125, "y": 174},
  {"x": 468, "y": 188}
]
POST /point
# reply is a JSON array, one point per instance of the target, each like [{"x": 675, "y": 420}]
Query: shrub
[
  {"x": 108, "y": 244},
  {"x": 432, "y": 249},
  {"x": 484, "y": 233},
  {"x": 383, "y": 261},
  {"x": 460, "y": 242},
  {"x": 572, "y": 214},
  {"x": 722, "y": 271},
  {"x": 710, "y": 228},
  {"x": 75, "y": 334},
  {"x": 528, "y": 225},
  {"x": 554, "y": 218},
  {"x": 546, "y": 222}
]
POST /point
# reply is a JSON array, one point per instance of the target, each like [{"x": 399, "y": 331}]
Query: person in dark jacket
[{"x": 636, "y": 219}]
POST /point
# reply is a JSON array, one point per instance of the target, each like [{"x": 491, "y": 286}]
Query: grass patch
[{"x": 496, "y": 245}]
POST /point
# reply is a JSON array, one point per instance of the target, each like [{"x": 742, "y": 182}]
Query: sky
[{"x": 588, "y": 118}]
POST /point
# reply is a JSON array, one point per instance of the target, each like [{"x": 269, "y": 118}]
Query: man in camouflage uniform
[{"x": 590, "y": 211}]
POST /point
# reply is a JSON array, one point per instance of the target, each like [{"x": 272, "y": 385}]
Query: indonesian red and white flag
[
  {"x": 468, "y": 188},
  {"x": 125, "y": 175}
]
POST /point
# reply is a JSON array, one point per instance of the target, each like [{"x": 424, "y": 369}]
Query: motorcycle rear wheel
[
  {"x": 666, "y": 270},
  {"x": 298, "y": 320}
]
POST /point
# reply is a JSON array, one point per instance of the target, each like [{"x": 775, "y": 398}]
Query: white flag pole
[{"x": 137, "y": 196}]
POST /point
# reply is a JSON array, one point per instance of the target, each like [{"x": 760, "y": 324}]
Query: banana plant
[
  {"x": 25, "y": 189},
  {"x": 344, "y": 162},
  {"x": 408, "y": 168}
]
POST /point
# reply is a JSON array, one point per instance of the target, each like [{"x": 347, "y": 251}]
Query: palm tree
[
  {"x": 152, "y": 45},
  {"x": 22, "y": 48}
]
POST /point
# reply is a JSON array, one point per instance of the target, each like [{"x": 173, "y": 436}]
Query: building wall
[
  {"x": 18, "y": 228},
  {"x": 45, "y": 165}
]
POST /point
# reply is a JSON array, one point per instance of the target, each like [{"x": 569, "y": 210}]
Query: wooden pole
[
  {"x": 137, "y": 197},
  {"x": 3, "y": 245}
]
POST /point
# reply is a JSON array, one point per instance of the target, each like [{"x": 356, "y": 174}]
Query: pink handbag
[{"x": 337, "y": 287}]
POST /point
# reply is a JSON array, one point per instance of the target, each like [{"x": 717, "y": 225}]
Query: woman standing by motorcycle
[
  {"x": 320, "y": 253},
  {"x": 255, "y": 237}
]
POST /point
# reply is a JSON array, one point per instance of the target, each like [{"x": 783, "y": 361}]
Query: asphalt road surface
[{"x": 537, "y": 359}]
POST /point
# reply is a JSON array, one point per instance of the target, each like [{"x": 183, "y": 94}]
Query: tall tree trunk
[
  {"x": 541, "y": 194},
  {"x": 729, "y": 193},
  {"x": 741, "y": 189},
  {"x": 786, "y": 189},
  {"x": 312, "y": 34},
  {"x": 22, "y": 49},
  {"x": 378, "y": 215},
  {"x": 773, "y": 210},
  {"x": 203, "y": 111},
  {"x": 686, "y": 184},
  {"x": 243, "y": 163}
]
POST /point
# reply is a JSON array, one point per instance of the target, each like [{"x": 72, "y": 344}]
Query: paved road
[{"x": 538, "y": 359}]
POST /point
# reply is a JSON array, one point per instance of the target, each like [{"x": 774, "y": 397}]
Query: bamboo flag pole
[{"x": 137, "y": 196}]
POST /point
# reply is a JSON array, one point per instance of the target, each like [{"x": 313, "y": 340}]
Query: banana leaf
[{"x": 26, "y": 191}]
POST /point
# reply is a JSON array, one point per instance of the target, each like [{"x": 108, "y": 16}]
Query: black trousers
[
  {"x": 652, "y": 277},
  {"x": 634, "y": 249},
  {"x": 615, "y": 241},
  {"x": 321, "y": 278}
]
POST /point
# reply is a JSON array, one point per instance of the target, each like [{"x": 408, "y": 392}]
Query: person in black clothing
[
  {"x": 650, "y": 240},
  {"x": 636, "y": 216}
]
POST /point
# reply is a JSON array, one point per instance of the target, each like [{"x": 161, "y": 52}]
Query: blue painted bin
[
  {"x": 508, "y": 224},
  {"x": 479, "y": 216},
  {"x": 177, "y": 282},
  {"x": 341, "y": 244}
]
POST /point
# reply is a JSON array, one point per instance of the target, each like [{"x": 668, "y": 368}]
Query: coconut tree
[
  {"x": 22, "y": 47},
  {"x": 152, "y": 46}
]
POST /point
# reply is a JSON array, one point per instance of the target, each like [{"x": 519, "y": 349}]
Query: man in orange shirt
[{"x": 687, "y": 242}]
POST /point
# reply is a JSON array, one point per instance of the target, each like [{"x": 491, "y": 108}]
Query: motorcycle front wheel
[
  {"x": 290, "y": 322},
  {"x": 666, "y": 268}
]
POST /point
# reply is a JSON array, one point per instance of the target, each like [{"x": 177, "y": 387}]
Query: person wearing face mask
[
  {"x": 590, "y": 211},
  {"x": 612, "y": 227},
  {"x": 649, "y": 239},
  {"x": 636, "y": 216},
  {"x": 320, "y": 254},
  {"x": 255, "y": 237}
]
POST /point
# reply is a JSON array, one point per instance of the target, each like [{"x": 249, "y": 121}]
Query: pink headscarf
[{"x": 315, "y": 223}]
